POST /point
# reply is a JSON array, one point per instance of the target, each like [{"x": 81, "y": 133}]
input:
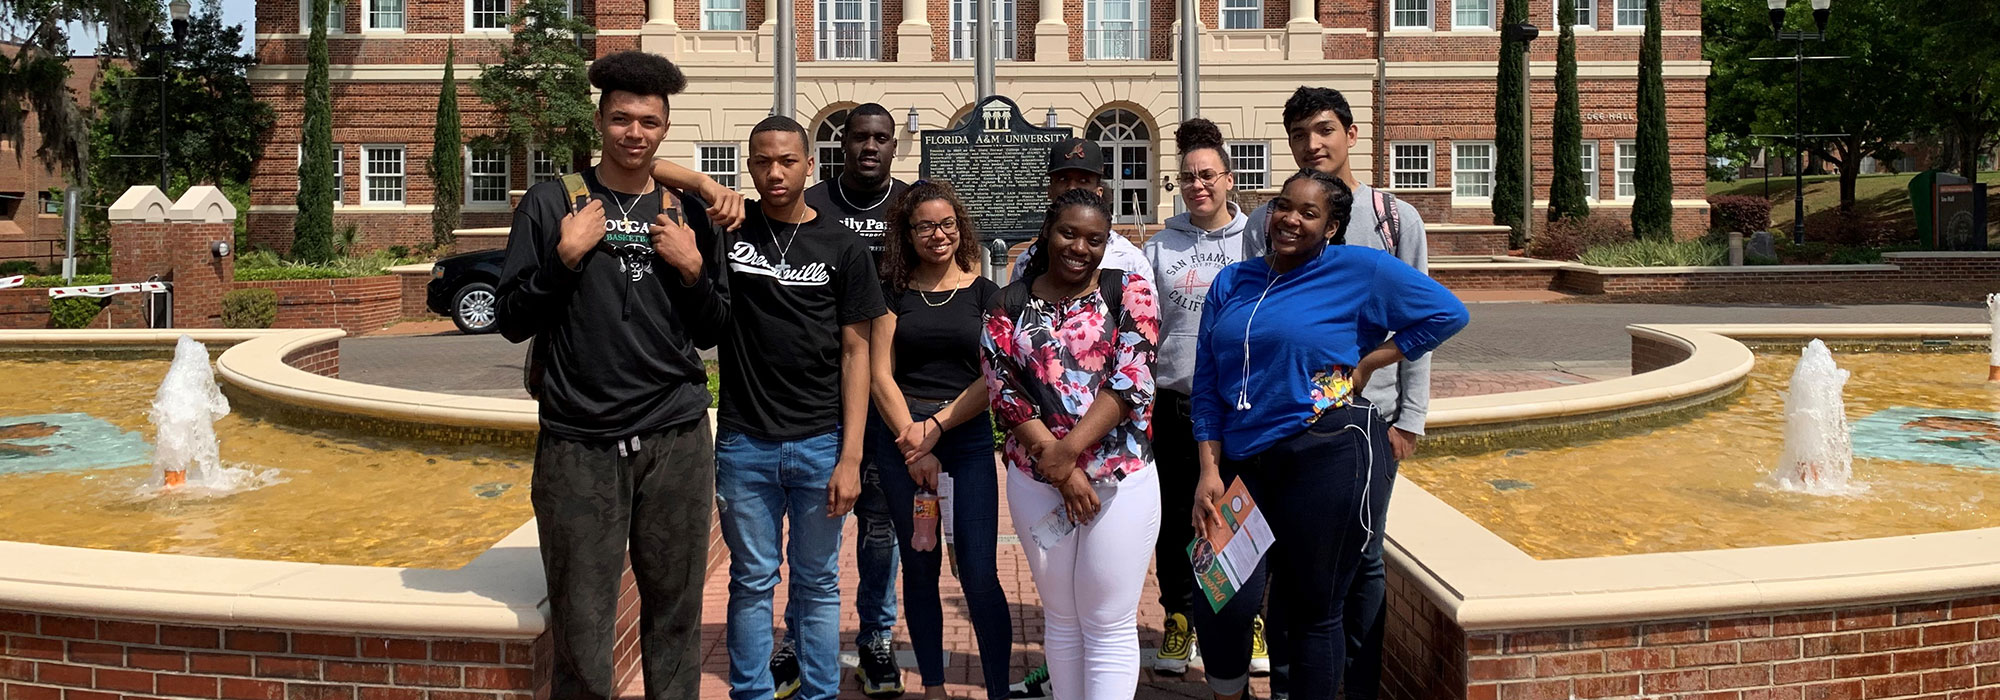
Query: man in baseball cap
[{"x": 1076, "y": 164}]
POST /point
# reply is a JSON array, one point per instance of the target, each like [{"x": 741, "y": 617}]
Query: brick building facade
[
  {"x": 31, "y": 222},
  {"x": 1104, "y": 67}
]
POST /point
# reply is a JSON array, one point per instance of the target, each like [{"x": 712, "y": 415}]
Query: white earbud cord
[{"x": 1243, "y": 390}]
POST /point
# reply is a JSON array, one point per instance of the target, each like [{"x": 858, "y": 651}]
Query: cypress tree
[
  {"x": 1566, "y": 196},
  {"x": 447, "y": 168},
  {"x": 1508, "y": 187},
  {"x": 312, "y": 228},
  {"x": 1653, "y": 181}
]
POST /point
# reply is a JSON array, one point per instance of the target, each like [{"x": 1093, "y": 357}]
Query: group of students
[{"x": 866, "y": 364}]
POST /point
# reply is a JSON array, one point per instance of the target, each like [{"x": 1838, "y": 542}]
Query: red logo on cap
[{"x": 1076, "y": 152}]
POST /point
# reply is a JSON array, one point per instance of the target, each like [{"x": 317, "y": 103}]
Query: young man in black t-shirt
[
  {"x": 794, "y": 397},
  {"x": 858, "y": 201},
  {"x": 618, "y": 295}
]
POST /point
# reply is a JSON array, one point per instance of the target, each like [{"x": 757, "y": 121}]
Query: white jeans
[{"x": 1090, "y": 583}]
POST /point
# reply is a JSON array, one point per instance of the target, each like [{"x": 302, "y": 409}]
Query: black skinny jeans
[
  {"x": 1316, "y": 489},
  {"x": 966, "y": 453},
  {"x": 1174, "y": 453}
]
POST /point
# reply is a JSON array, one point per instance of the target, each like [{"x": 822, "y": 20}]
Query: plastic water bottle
[{"x": 924, "y": 517}]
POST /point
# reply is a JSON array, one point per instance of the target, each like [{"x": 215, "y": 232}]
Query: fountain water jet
[
  {"x": 1819, "y": 456},
  {"x": 186, "y": 454}
]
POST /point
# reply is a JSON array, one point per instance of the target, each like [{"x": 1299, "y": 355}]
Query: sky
[{"x": 83, "y": 40}]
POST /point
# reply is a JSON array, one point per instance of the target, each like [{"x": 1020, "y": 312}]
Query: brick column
[
  {"x": 202, "y": 218},
  {"x": 138, "y": 251}
]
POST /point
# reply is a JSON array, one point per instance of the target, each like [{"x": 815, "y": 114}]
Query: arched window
[
  {"x": 826, "y": 145},
  {"x": 1128, "y": 158}
]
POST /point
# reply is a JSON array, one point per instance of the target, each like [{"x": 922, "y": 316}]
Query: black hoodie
[{"x": 619, "y": 336}]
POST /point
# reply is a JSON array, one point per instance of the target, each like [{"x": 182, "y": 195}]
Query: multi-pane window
[
  {"x": 51, "y": 204},
  {"x": 336, "y": 16},
  {"x": 383, "y": 167},
  {"x": 339, "y": 172},
  {"x": 1627, "y": 162},
  {"x": 826, "y": 145},
  {"x": 718, "y": 162},
  {"x": 542, "y": 167},
  {"x": 1114, "y": 30},
  {"x": 722, "y": 15},
  {"x": 1244, "y": 14},
  {"x": 963, "y": 30},
  {"x": 1629, "y": 14},
  {"x": 1472, "y": 14},
  {"x": 486, "y": 14},
  {"x": 1410, "y": 165},
  {"x": 1590, "y": 170},
  {"x": 1586, "y": 13},
  {"x": 385, "y": 14},
  {"x": 850, "y": 30},
  {"x": 486, "y": 177},
  {"x": 1251, "y": 162},
  {"x": 1411, "y": 14},
  {"x": 1472, "y": 170}
]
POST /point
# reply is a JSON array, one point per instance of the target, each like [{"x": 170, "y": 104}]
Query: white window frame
[
  {"x": 1401, "y": 165},
  {"x": 1459, "y": 173},
  {"x": 710, "y": 158},
  {"x": 710, "y": 13},
  {"x": 1005, "y": 48},
  {"x": 1253, "y": 10},
  {"x": 1120, "y": 39},
  {"x": 536, "y": 175},
  {"x": 471, "y": 187},
  {"x": 1623, "y": 188},
  {"x": 1587, "y": 8},
  {"x": 336, "y": 17},
  {"x": 1620, "y": 7},
  {"x": 833, "y": 47},
  {"x": 402, "y": 175},
  {"x": 1238, "y": 163},
  {"x": 339, "y": 170},
  {"x": 1397, "y": 13},
  {"x": 1590, "y": 168},
  {"x": 473, "y": 13},
  {"x": 1458, "y": 15},
  {"x": 402, "y": 16}
]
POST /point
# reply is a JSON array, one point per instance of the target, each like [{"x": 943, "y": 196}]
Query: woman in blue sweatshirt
[{"x": 1284, "y": 341}]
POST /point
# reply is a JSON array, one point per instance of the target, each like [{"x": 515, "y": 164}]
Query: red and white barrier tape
[
  {"x": 104, "y": 290},
  {"x": 11, "y": 282}
]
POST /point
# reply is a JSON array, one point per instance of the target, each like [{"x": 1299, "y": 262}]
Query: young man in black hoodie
[{"x": 618, "y": 283}]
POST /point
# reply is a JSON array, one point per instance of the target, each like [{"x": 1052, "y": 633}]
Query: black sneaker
[
  {"x": 785, "y": 670},
  {"x": 877, "y": 672},
  {"x": 1033, "y": 685}
]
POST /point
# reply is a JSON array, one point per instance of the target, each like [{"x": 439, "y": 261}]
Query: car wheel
[{"x": 476, "y": 309}]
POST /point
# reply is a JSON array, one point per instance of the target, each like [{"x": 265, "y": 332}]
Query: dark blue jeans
[
  {"x": 966, "y": 453},
  {"x": 1317, "y": 489}
]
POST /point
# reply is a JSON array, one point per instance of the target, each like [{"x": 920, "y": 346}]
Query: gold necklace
[{"x": 926, "y": 296}]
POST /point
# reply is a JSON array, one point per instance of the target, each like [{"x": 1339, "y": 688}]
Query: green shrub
[
  {"x": 1745, "y": 214},
  {"x": 249, "y": 308},
  {"x": 74, "y": 312},
  {"x": 9, "y": 268},
  {"x": 1568, "y": 238},
  {"x": 1656, "y": 253},
  {"x": 46, "y": 281},
  {"x": 263, "y": 265}
]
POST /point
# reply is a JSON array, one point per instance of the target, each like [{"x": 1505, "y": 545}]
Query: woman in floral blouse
[{"x": 1068, "y": 356}]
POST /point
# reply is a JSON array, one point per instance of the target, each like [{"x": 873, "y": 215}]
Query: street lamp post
[
  {"x": 1821, "y": 9},
  {"x": 1526, "y": 34},
  {"x": 178, "y": 10}
]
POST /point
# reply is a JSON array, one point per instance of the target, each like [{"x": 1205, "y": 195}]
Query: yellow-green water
[
  {"x": 346, "y": 499},
  {"x": 1702, "y": 484}
]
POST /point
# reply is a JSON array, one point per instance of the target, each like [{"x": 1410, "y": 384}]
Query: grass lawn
[{"x": 1882, "y": 196}]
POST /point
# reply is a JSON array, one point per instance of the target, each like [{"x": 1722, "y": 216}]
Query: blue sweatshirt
[{"x": 1311, "y": 328}]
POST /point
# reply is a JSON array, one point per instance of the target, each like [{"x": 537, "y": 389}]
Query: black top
[
  {"x": 791, "y": 295},
  {"x": 844, "y": 210},
  {"x": 618, "y": 337},
  {"x": 937, "y": 347}
]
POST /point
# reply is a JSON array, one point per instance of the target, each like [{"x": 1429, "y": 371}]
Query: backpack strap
[
  {"x": 1110, "y": 284},
  {"x": 1388, "y": 222},
  {"x": 578, "y": 191}
]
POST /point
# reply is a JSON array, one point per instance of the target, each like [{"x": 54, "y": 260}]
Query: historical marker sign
[
  {"x": 999, "y": 163},
  {"x": 1960, "y": 217}
]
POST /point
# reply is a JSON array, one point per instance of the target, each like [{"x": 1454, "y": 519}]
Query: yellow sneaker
[
  {"x": 1260, "y": 653},
  {"x": 1177, "y": 648}
]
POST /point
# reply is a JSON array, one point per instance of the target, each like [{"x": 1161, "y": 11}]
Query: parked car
[{"x": 462, "y": 287}]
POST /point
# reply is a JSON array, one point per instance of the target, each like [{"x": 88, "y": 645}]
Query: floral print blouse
[{"x": 1050, "y": 362}]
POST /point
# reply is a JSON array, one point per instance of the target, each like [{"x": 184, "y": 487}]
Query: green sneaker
[{"x": 1033, "y": 685}]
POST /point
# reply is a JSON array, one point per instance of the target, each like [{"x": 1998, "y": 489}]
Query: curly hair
[
  {"x": 639, "y": 73},
  {"x": 1196, "y": 134},
  {"x": 1339, "y": 201},
  {"x": 1039, "y": 263},
  {"x": 899, "y": 256}
]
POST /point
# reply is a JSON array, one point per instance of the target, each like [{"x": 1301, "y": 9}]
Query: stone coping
[
  {"x": 257, "y": 366},
  {"x": 1989, "y": 254},
  {"x": 1485, "y": 583},
  {"x": 1715, "y": 364},
  {"x": 414, "y": 269}
]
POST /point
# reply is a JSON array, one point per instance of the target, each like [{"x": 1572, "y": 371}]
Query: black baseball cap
[{"x": 1076, "y": 154}]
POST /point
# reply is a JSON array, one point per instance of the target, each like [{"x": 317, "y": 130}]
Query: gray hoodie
[
  {"x": 1185, "y": 259},
  {"x": 1403, "y": 392}
]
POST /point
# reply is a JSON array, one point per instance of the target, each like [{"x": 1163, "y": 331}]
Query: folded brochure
[{"x": 1226, "y": 555}]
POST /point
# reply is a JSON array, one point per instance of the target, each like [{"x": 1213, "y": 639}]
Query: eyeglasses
[
  {"x": 925, "y": 228},
  {"x": 1205, "y": 177}
]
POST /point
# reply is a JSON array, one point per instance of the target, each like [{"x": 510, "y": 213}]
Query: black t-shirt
[
  {"x": 844, "y": 209},
  {"x": 617, "y": 337},
  {"x": 937, "y": 338},
  {"x": 791, "y": 291}
]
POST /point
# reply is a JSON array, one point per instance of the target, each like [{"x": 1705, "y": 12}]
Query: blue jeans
[
  {"x": 760, "y": 483},
  {"x": 874, "y": 559},
  {"x": 966, "y": 453}
]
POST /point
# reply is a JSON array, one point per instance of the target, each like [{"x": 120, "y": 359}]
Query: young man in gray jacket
[{"x": 1319, "y": 127}]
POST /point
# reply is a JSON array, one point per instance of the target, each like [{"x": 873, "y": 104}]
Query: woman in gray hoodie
[{"x": 1185, "y": 257}]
